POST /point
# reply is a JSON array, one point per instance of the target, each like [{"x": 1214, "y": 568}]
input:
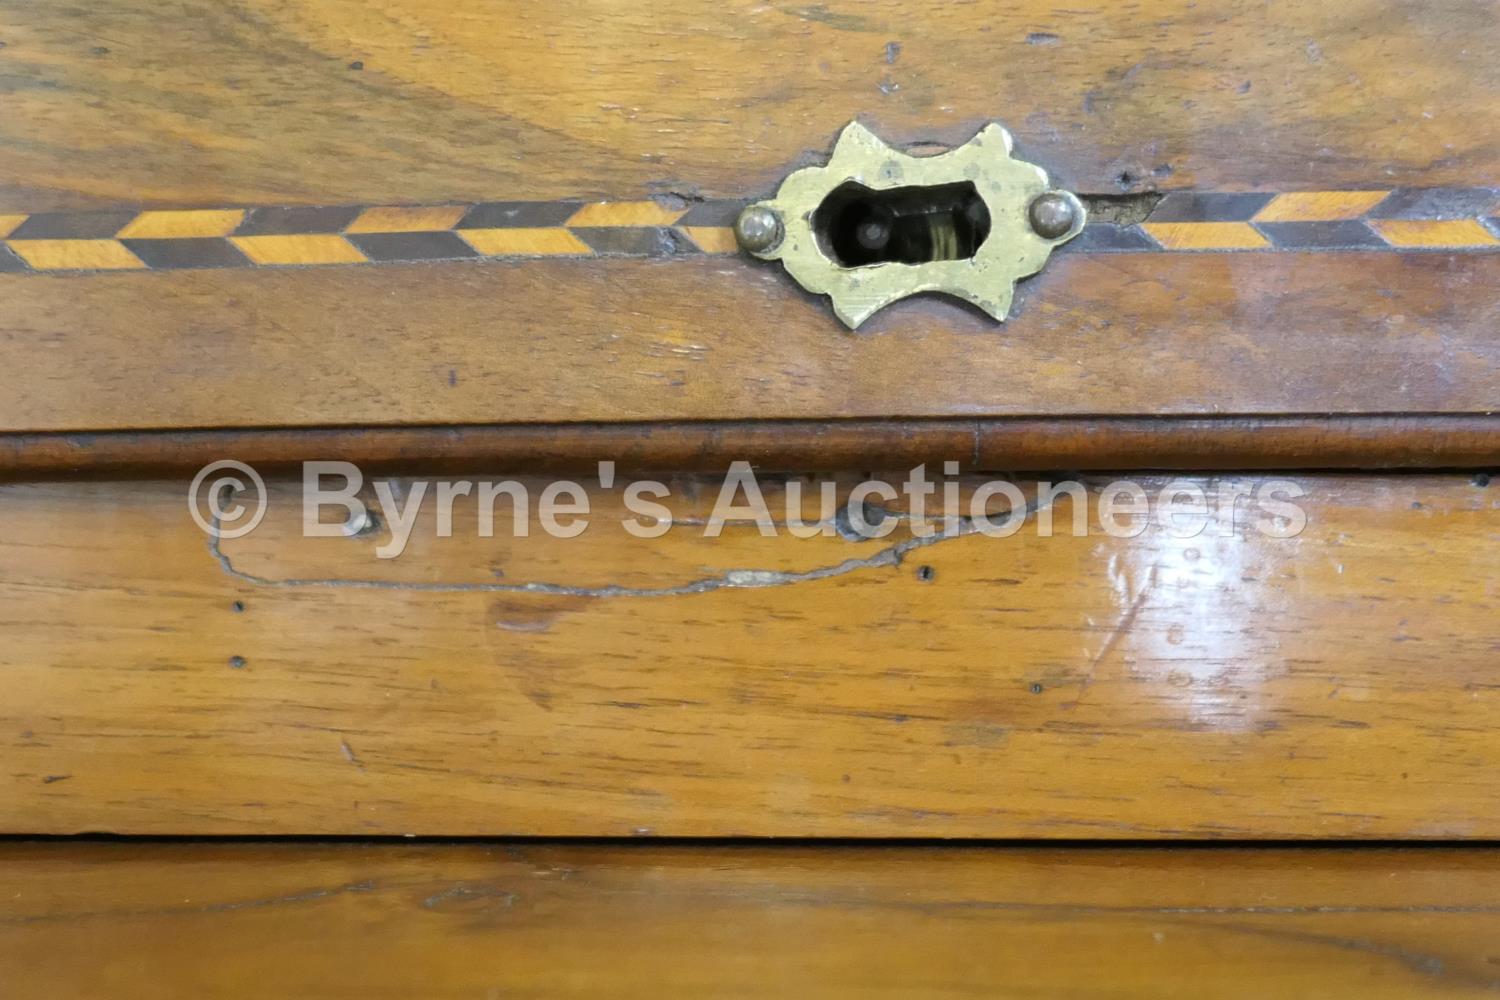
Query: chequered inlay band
[{"x": 1447, "y": 219}]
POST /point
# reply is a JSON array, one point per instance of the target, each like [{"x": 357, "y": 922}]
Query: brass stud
[
  {"x": 758, "y": 229},
  {"x": 1053, "y": 215}
]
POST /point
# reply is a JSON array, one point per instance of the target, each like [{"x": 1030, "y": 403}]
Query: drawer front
[
  {"x": 311, "y": 214},
  {"x": 1336, "y": 683}
]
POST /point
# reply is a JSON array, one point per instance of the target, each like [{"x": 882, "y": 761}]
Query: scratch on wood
[
  {"x": 1124, "y": 625},
  {"x": 464, "y": 892},
  {"x": 350, "y": 755},
  {"x": 822, "y": 15},
  {"x": 890, "y": 557}
]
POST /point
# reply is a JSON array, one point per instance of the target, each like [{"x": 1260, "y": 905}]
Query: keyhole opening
[{"x": 859, "y": 227}]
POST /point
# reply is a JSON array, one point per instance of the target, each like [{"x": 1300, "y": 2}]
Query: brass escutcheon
[{"x": 875, "y": 225}]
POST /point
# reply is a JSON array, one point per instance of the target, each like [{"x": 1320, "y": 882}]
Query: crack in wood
[{"x": 891, "y": 557}]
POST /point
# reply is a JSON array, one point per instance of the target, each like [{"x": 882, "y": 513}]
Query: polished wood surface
[
  {"x": 1074, "y": 443},
  {"x": 218, "y": 104},
  {"x": 209, "y": 921},
  {"x": 565, "y": 341},
  {"x": 1335, "y": 684}
]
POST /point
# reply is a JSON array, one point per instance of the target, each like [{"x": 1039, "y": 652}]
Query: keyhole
[{"x": 859, "y": 227}]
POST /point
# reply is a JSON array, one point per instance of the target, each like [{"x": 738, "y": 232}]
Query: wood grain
[
  {"x": 1336, "y": 684},
  {"x": 536, "y": 920},
  {"x": 398, "y": 101},
  {"x": 606, "y": 341}
]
